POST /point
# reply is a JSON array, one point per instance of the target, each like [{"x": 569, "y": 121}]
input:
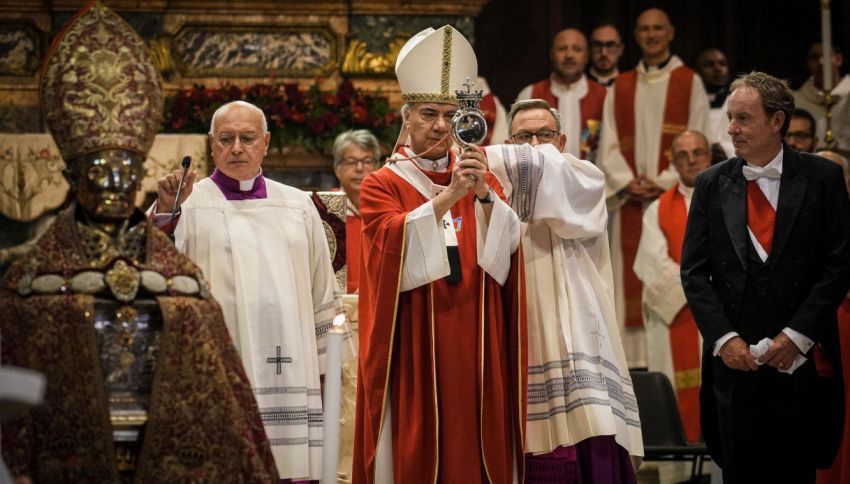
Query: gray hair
[
  {"x": 225, "y": 107},
  {"x": 774, "y": 93},
  {"x": 532, "y": 104},
  {"x": 360, "y": 137}
]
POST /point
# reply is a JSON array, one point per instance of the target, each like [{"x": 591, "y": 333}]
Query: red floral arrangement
[{"x": 310, "y": 118}]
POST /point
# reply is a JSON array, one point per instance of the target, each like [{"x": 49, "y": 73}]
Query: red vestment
[
  {"x": 676, "y": 112},
  {"x": 684, "y": 335},
  {"x": 452, "y": 356},
  {"x": 591, "y": 110},
  {"x": 839, "y": 473},
  {"x": 353, "y": 227}
]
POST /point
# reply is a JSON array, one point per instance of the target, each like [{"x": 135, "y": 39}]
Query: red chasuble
[
  {"x": 353, "y": 226},
  {"x": 676, "y": 112},
  {"x": 684, "y": 335},
  {"x": 591, "y": 110},
  {"x": 451, "y": 356},
  {"x": 839, "y": 473}
]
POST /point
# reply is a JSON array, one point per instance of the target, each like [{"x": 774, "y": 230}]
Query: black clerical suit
[{"x": 767, "y": 426}]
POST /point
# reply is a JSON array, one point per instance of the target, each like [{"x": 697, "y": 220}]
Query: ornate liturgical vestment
[
  {"x": 202, "y": 421},
  {"x": 578, "y": 381}
]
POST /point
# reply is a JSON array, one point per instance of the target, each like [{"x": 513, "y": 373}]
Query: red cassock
[
  {"x": 353, "y": 226},
  {"x": 839, "y": 473},
  {"x": 452, "y": 356}
]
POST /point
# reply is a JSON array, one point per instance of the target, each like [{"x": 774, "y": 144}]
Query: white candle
[
  {"x": 826, "y": 36},
  {"x": 331, "y": 400}
]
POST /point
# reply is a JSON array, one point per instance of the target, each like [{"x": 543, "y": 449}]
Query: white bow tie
[{"x": 754, "y": 172}]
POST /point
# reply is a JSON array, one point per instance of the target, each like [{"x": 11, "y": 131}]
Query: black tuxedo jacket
[{"x": 806, "y": 274}]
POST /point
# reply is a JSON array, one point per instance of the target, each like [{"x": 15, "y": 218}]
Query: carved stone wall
[{"x": 212, "y": 42}]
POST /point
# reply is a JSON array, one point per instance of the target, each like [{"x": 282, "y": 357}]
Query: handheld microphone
[{"x": 187, "y": 160}]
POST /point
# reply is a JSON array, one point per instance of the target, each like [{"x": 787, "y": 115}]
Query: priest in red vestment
[
  {"x": 441, "y": 389},
  {"x": 578, "y": 98}
]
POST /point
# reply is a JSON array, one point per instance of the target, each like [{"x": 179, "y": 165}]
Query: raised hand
[{"x": 166, "y": 190}]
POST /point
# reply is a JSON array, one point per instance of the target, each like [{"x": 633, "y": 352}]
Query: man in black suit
[{"x": 766, "y": 259}]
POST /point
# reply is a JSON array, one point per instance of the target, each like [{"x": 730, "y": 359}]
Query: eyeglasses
[
  {"x": 368, "y": 162},
  {"x": 226, "y": 140},
  {"x": 681, "y": 156},
  {"x": 543, "y": 136},
  {"x": 799, "y": 135},
  {"x": 599, "y": 45}
]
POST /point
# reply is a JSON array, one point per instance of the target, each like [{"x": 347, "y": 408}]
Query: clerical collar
[
  {"x": 716, "y": 95},
  {"x": 686, "y": 191},
  {"x": 660, "y": 66},
  {"x": 233, "y": 189},
  {"x": 603, "y": 79},
  {"x": 439, "y": 165}
]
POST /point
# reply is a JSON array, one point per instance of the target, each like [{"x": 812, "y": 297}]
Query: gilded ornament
[
  {"x": 123, "y": 281},
  {"x": 160, "y": 50},
  {"x": 98, "y": 78},
  {"x": 359, "y": 61}
]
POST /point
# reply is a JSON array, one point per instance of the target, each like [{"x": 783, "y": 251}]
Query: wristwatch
[{"x": 490, "y": 198}]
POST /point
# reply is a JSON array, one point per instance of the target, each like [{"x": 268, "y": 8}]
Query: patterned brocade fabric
[
  {"x": 98, "y": 77},
  {"x": 203, "y": 424}
]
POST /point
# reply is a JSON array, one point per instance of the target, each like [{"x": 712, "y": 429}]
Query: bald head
[
  {"x": 653, "y": 33},
  {"x": 568, "y": 55}
]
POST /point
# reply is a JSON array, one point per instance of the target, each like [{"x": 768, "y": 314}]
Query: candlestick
[
  {"x": 331, "y": 400},
  {"x": 826, "y": 37}
]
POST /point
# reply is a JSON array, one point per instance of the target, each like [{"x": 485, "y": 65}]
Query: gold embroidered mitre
[
  {"x": 433, "y": 64},
  {"x": 99, "y": 87}
]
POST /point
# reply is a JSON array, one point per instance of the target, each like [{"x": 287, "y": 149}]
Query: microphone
[{"x": 187, "y": 160}]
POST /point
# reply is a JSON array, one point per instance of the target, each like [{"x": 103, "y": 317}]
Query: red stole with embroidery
[
  {"x": 676, "y": 112},
  {"x": 591, "y": 110}
]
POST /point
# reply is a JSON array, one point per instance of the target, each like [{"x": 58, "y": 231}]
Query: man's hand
[
  {"x": 473, "y": 162},
  {"x": 166, "y": 190},
  {"x": 782, "y": 353},
  {"x": 736, "y": 355},
  {"x": 643, "y": 189}
]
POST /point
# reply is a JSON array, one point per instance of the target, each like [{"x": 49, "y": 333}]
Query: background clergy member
[
  {"x": 356, "y": 154},
  {"x": 645, "y": 109},
  {"x": 672, "y": 338},
  {"x": 441, "y": 390},
  {"x": 577, "y": 430},
  {"x": 578, "y": 98},
  {"x": 765, "y": 265},
  {"x": 263, "y": 250}
]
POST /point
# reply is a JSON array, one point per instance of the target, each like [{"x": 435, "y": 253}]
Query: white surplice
[
  {"x": 268, "y": 265},
  {"x": 578, "y": 383},
  {"x": 650, "y": 101}
]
